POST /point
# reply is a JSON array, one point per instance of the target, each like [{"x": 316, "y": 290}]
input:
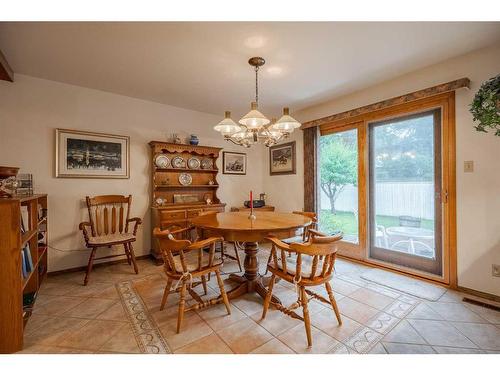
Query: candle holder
[{"x": 251, "y": 216}]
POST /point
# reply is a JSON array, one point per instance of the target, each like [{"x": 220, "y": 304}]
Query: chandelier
[{"x": 254, "y": 126}]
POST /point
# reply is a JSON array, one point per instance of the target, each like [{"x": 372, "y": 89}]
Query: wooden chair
[
  {"x": 185, "y": 261},
  {"x": 300, "y": 238},
  {"x": 312, "y": 265},
  {"x": 223, "y": 253},
  {"x": 304, "y": 236},
  {"x": 109, "y": 220}
]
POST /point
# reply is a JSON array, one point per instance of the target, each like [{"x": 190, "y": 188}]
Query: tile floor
[{"x": 71, "y": 318}]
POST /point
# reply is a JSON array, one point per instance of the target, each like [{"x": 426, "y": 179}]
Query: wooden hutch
[
  {"x": 18, "y": 292},
  {"x": 168, "y": 206}
]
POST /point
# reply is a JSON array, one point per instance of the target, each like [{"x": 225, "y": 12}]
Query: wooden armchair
[
  {"x": 311, "y": 264},
  {"x": 304, "y": 236},
  {"x": 223, "y": 254},
  {"x": 108, "y": 225},
  {"x": 185, "y": 261}
]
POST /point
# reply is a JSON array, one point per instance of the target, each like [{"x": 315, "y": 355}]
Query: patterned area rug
[
  {"x": 141, "y": 298},
  {"x": 365, "y": 338},
  {"x": 145, "y": 329}
]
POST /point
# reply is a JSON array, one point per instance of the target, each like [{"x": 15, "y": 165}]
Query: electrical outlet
[
  {"x": 469, "y": 166},
  {"x": 495, "y": 270}
]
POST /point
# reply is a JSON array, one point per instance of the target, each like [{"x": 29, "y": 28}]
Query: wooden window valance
[{"x": 425, "y": 93}]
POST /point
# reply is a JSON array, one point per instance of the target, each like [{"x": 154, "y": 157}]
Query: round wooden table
[{"x": 237, "y": 227}]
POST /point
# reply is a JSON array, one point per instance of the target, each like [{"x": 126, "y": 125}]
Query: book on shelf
[
  {"x": 26, "y": 261},
  {"x": 25, "y": 223},
  {"x": 24, "y": 271},
  {"x": 29, "y": 259}
]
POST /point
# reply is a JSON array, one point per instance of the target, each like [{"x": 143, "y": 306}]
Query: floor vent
[{"x": 479, "y": 303}]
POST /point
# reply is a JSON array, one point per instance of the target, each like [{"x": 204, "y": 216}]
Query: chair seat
[
  {"x": 191, "y": 261},
  {"x": 295, "y": 239},
  {"x": 111, "y": 239},
  {"x": 305, "y": 269}
]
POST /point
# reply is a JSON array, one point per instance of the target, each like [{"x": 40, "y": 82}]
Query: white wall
[
  {"x": 286, "y": 192},
  {"x": 478, "y": 193},
  {"x": 30, "y": 110}
]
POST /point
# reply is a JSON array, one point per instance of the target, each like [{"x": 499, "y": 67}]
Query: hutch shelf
[
  {"x": 18, "y": 291},
  {"x": 169, "y": 205}
]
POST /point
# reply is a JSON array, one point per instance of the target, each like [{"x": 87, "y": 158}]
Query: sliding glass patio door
[{"x": 405, "y": 206}]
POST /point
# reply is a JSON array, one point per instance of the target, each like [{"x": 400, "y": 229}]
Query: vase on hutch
[{"x": 194, "y": 140}]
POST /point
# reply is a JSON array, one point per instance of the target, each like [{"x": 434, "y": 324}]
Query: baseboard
[
  {"x": 96, "y": 265},
  {"x": 477, "y": 293}
]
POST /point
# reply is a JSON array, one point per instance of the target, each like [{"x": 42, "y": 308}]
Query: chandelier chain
[{"x": 257, "y": 85}]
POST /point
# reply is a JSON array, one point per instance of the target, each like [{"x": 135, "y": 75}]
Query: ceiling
[{"x": 203, "y": 65}]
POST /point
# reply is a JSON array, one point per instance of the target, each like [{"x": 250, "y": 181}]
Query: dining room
[{"x": 249, "y": 187}]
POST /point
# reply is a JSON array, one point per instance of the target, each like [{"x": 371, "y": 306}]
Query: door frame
[
  {"x": 387, "y": 255},
  {"x": 445, "y": 101}
]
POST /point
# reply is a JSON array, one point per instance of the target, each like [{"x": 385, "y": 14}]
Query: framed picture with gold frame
[
  {"x": 282, "y": 159},
  {"x": 82, "y": 154}
]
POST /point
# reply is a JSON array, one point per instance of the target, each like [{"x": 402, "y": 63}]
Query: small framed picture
[
  {"x": 282, "y": 159},
  {"x": 84, "y": 154},
  {"x": 234, "y": 163}
]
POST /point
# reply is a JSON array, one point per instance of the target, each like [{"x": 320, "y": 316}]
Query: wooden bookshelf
[
  {"x": 13, "y": 315},
  {"x": 165, "y": 183}
]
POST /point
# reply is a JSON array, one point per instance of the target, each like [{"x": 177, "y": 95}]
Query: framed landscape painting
[
  {"x": 282, "y": 159},
  {"x": 84, "y": 154},
  {"x": 234, "y": 163}
]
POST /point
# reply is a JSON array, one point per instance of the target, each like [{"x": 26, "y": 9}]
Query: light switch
[{"x": 469, "y": 166}]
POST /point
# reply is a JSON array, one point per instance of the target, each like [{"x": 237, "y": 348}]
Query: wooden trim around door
[{"x": 445, "y": 101}]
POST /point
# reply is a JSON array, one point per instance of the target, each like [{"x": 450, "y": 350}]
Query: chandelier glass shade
[
  {"x": 254, "y": 126},
  {"x": 227, "y": 126}
]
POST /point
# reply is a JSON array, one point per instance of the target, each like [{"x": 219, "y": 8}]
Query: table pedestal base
[{"x": 251, "y": 281}]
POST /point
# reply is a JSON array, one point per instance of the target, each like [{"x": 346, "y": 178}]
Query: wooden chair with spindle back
[
  {"x": 304, "y": 236},
  {"x": 312, "y": 264},
  {"x": 109, "y": 222},
  {"x": 184, "y": 261},
  {"x": 236, "y": 257}
]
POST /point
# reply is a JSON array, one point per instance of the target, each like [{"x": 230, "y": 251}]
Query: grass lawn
[{"x": 346, "y": 222}]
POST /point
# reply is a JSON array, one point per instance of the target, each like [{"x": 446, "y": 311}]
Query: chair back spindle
[
  {"x": 313, "y": 217},
  {"x": 108, "y": 214}
]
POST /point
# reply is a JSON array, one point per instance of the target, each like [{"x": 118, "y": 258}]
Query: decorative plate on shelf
[
  {"x": 178, "y": 162},
  {"x": 194, "y": 163},
  {"x": 162, "y": 161},
  {"x": 185, "y": 179},
  {"x": 207, "y": 164}
]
